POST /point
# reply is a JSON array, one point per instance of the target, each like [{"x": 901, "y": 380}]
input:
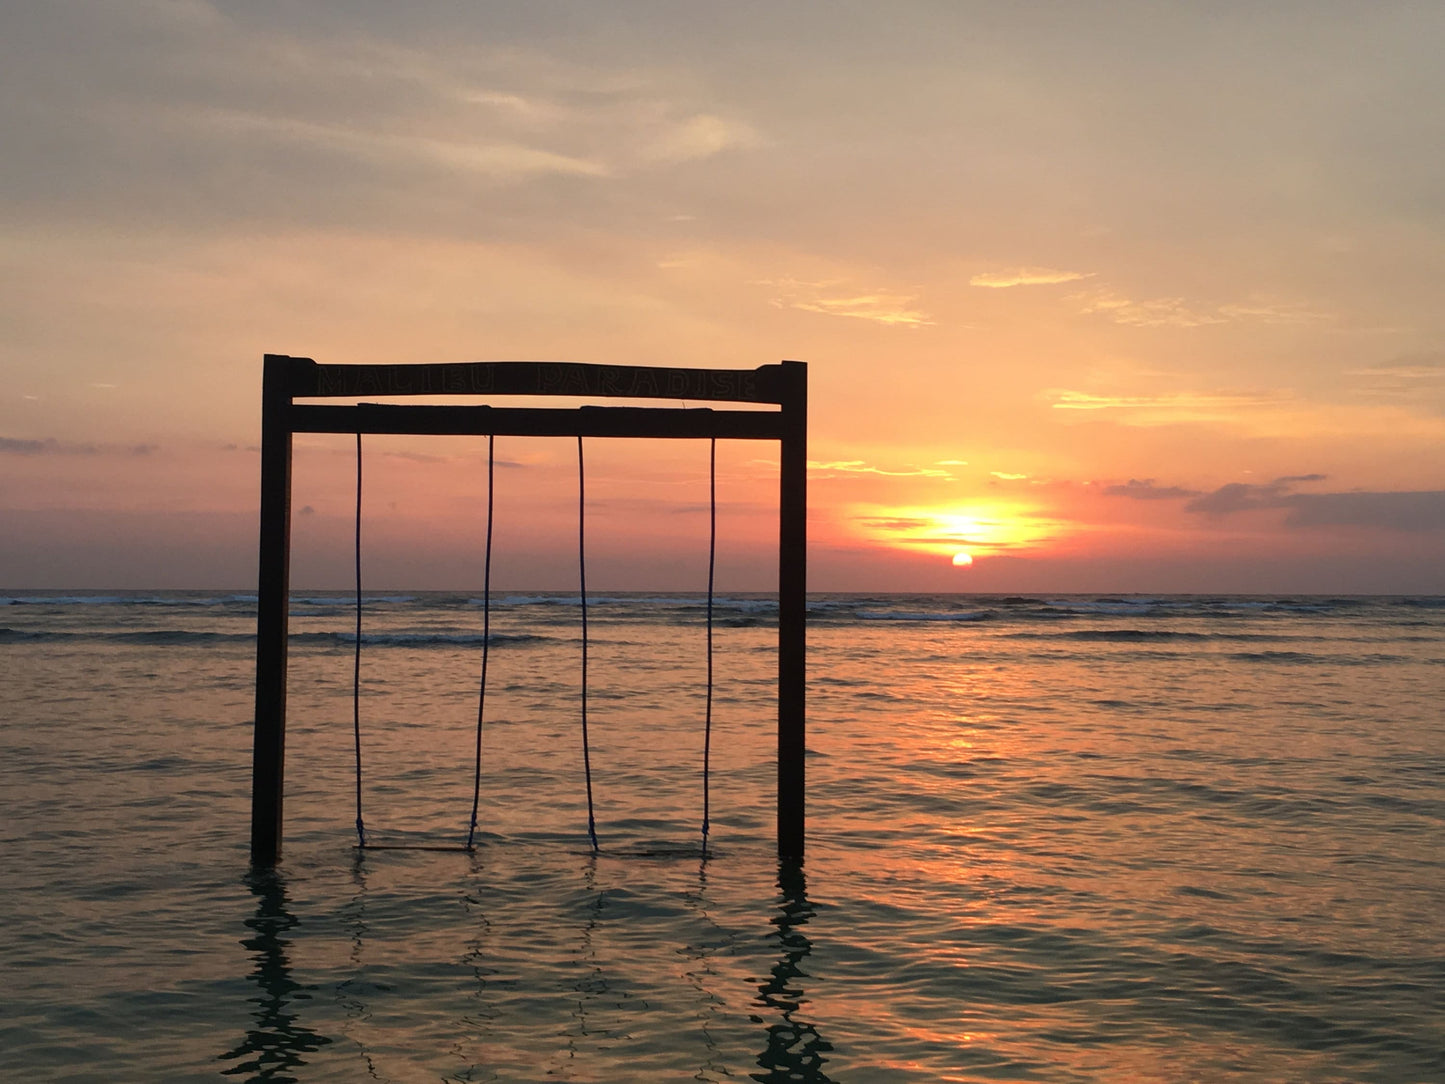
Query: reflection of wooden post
[
  {"x": 792, "y": 606},
  {"x": 269, "y": 752}
]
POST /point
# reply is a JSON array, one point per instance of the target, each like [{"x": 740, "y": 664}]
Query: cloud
[
  {"x": 196, "y": 113},
  {"x": 427, "y": 458},
  {"x": 12, "y": 446},
  {"x": 890, "y": 309},
  {"x": 1416, "y": 510},
  {"x": 1423, "y": 366},
  {"x": 887, "y": 307},
  {"x": 1406, "y": 376},
  {"x": 702, "y": 136},
  {"x": 51, "y": 446},
  {"x": 1272, "y": 312},
  {"x": 45, "y": 446},
  {"x": 411, "y": 457},
  {"x": 1237, "y": 497},
  {"x": 1176, "y": 312},
  {"x": 1247, "y": 497},
  {"x": 1420, "y": 510},
  {"x": 529, "y": 110},
  {"x": 858, "y": 466},
  {"x": 1004, "y": 476},
  {"x": 1153, "y": 312},
  {"x": 1144, "y": 489},
  {"x": 374, "y": 146},
  {"x": 1171, "y": 409},
  {"x": 1026, "y": 276}
]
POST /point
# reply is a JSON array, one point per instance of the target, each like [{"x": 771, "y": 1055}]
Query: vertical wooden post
[
  {"x": 792, "y": 608},
  {"x": 272, "y": 603}
]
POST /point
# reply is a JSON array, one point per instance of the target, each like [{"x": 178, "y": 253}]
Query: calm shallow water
[{"x": 1049, "y": 839}]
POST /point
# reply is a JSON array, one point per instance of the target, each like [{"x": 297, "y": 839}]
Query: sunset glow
[
  {"x": 1081, "y": 308},
  {"x": 984, "y": 528}
]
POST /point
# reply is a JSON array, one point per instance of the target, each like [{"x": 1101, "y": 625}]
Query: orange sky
[{"x": 1113, "y": 297}]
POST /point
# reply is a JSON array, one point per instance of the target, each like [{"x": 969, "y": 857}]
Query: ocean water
[{"x": 1050, "y": 838}]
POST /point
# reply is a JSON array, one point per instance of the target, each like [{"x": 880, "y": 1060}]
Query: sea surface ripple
[{"x": 1051, "y": 838}]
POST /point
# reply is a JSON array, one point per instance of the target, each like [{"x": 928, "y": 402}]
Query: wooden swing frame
[{"x": 286, "y": 379}]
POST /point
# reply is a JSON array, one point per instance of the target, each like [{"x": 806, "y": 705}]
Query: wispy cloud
[
  {"x": 702, "y": 136},
  {"x": 47, "y": 446},
  {"x": 377, "y": 146},
  {"x": 1248, "y": 497},
  {"x": 1272, "y": 312},
  {"x": 1170, "y": 409},
  {"x": 891, "y": 309},
  {"x": 1406, "y": 367},
  {"x": 1408, "y": 375},
  {"x": 376, "y": 128},
  {"x": 1237, "y": 497},
  {"x": 833, "y": 298},
  {"x": 858, "y": 466},
  {"x": 1152, "y": 312},
  {"x": 1405, "y": 510},
  {"x": 51, "y": 446},
  {"x": 406, "y": 456},
  {"x": 1178, "y": 313},
  {"x": 1026, "y": 276},
  {"x": 1145, "y": 489},
  {"x": 1421, "y": 510},
  {"x": 1416, "y": 510}
]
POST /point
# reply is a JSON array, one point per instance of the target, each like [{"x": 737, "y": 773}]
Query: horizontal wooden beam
[
  {"x": 306, "y": 379},
  {"x": 587, "y": 421}
]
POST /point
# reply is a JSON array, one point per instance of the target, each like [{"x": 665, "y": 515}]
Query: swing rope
[
  {"x": 356, "y": 669},
  {"x": 486, "y": 637},
  {"x": 711, "y": 586},
  {"x": 356, "y": 660},
  {"x": 582, "y": 592},
  {"x": 711, "y": 570}
]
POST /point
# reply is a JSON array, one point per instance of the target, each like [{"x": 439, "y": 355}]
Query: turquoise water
[{"x": 1057, "y": 839}]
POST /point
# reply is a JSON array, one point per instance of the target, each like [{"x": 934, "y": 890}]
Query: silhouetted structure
[{"x": 287, "y": 379}]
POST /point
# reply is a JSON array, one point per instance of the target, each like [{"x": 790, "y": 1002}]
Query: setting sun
[{"x": 985, "y": 527}]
